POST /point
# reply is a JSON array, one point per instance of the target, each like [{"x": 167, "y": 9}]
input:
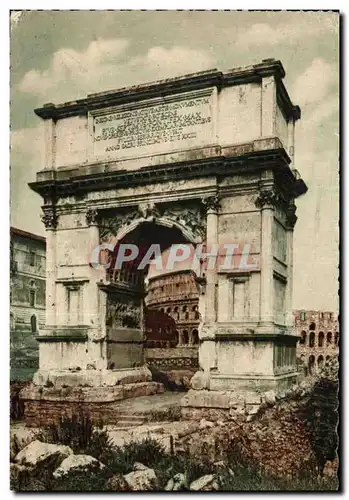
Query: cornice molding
[{"x": 179, "y": 85}]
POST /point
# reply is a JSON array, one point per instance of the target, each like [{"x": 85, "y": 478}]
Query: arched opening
[
  {"x": 321, "y": 339},
  {"x": 336, "y": 338},
  {"x": 185, "y": 337},
  {"x": 311, "y": 339},
  {"x": 195, "y": 337},
  {"x": 328, "y": 357},
  {"x": 311, "y": 365},
  {"x": 33, "y": 324},
  {"x": 329, "y": 338},
  {"x": 196, "y": 312},
  {"x": 312, "y": 326},
  {"x": 303, "y": 338},
  {"x": 320, "y": 362},
  {"x": 127, "y": 298}
]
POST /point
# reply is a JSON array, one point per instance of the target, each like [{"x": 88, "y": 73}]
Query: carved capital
[
  {"x": 268, "y": 198},
  {"x": 49, "y": 217},
  {"x": 147, "y": 210},
  {"x": 212, "y": 203},
  {"x": 291, "y": 217},
  {"x": 92, "y": 217}
]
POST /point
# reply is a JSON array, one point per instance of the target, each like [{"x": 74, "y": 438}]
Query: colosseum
[
  {"x": 172, "y": 321},
  {"x": 319, "y": 338}
]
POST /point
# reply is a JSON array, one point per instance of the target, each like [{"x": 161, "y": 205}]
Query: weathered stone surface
[
  {"x": 117, "y": 483},
  {"x": 77, "y": 462},
  {"x": 20, "y": 437},
  {"x": 138, "y": 466},
  {"x": 141, "y": 480},
  {"x": 176, "y": 483},
  {"x": 17, "y": 473},
  {"x": 38, "y": 454},
  {"x": 205, "y": 483},
  {"x": 270, "y": 397}
]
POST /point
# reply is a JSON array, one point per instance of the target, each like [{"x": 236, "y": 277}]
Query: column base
[
  {"x": 232, "y": 395},
  {"x": 93, "y": 393},
  {"x": 91, "y": 378}
]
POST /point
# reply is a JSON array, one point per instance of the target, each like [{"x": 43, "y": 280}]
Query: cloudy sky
[{"x": 58, "y": 56}]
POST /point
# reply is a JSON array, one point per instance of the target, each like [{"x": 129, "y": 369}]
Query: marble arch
[{"x": 211, "y": 154}]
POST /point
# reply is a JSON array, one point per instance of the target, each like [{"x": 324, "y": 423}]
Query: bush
[
  {"x": 149, "y": 452},
  {"x": 321, "y": 415}
]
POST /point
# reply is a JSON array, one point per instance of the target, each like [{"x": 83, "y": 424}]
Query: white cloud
[
  {"x": 289, "y": 33},
  {"x": 73, "y": 74},
  {"x": 316, "y": 81}
]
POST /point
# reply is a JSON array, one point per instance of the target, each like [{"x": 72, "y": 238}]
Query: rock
[
  {"x": 270, "y": 398},
  {"x": 43, "y": 454},
  {"x": 117, "y": 483},
  {"x": 20, "y": 437},
  {"x": 204, "y": 483},
  {"x": 180, "y": 481},
  {"x": 77, "y": 462},
  {"x": 205, "y": 423},
  {"x": 17, "y": 474},
  {"x": 141, "y": 480},
  {"x": 170, "y": 484},
  {"x": 139, "y": 466}
]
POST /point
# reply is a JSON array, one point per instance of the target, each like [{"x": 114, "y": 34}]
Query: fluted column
[
  {"x": 291, "y": 220},
  {"x": 92, "y": 312},
  {"x": 49, "y": 219},
  {"x": 266, "y": 202},
  {"x": 212, "y": 207}
]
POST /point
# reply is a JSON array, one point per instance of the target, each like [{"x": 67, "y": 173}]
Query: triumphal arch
[{"x": 205, "y": 159}]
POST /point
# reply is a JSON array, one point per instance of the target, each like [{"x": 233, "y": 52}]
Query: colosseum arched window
[
  {"x": 321, "y": 339},
  {"x": 329, "y": 338},
  {"x": 312, "y": 326},
  {"x": 168, "y": 310},
  {"x": 311, "y": 365},
  {"x": 194, "y": 337},
  {"x": 320, "y": 362},
  {"x": 303, "y": 339},
  {"x": 185, "y": 337},
  {"x": 312, "y": 339}
]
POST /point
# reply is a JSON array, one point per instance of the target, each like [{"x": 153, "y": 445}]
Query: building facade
[
  {"x": 319, "y": 338},
  {"x": 176, "y": 295},
  {"x": 27, "y": 300}
]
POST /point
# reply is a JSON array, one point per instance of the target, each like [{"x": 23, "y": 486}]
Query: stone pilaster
[
  {"x": 207, "y": 349},
  {"x": 291, "y": 219},
  {"x": 49, "y": 219},
  {"x": 266, "y": 201}
]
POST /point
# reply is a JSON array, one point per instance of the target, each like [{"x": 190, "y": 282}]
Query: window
[
  {"x": 320, "y": 362},
  {"x": 195, "y": 337},
  {"x": 336, "y": 337},
  {"x": 312, "y": 326},
  {"x": 32, "y": 258},
  {"x": 311, "y": 365},
  {"x": 329, "y": 338},
  {"x": 32, "y": 298},
  {"x": 311, "y": 339},
  {"x": 33, "y": 323},
  {"x": 321, "y": 339},
  {"x": 302, "y": 316},
  {"x": 303, "y": 338}
]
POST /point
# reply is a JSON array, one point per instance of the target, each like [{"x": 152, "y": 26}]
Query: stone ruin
[{"x": 207, "y": 158}]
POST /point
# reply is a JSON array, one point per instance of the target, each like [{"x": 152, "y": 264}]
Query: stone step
[
  {"x": 127, "y": 416},
  {"x": 129, "y": 423}
]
